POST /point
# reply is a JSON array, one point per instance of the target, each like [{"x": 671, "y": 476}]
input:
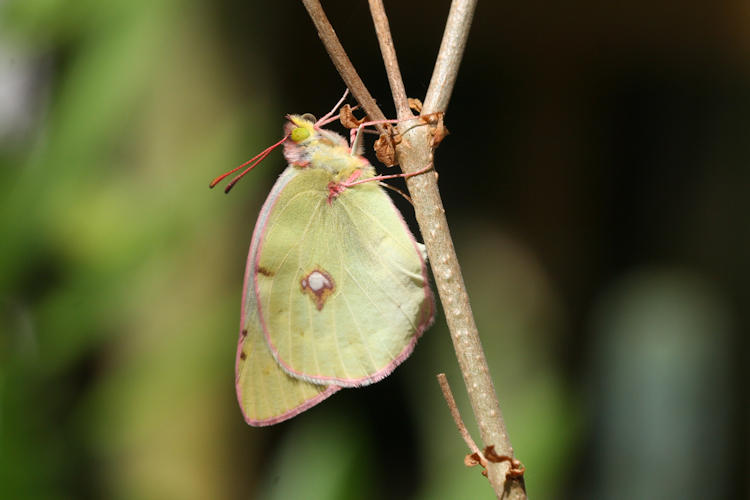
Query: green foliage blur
[{"x": 595, "y": 180}]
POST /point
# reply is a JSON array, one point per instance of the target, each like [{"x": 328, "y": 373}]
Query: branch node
[{"x": 516, "y": 467}]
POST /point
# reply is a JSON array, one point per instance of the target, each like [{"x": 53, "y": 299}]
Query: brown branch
[
  {"x": 383, "y": 31},
  {"x": 483, "y": 458},
  {"x": 451, "y": 402},
  {"x": 342, "y": 63},
  {"x": 414, "y": 152},
  {"x": 449, "y": 57}
]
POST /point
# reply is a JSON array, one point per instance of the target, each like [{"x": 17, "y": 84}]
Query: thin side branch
[
  {"x": 383, "y": 31},
  {"x": 477, "y": 457},
  {"x": 342, "y": 63},
  {"x": 451, "y": 402},
  {"x": 449, "y": 57}
]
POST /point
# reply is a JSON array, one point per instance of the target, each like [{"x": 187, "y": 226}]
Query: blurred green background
[{"x": 596, "y": 181}]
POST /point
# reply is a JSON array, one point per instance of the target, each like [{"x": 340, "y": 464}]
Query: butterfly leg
[
  {"x": 327, "y": 117},
  {"x": 356, "y": 133},
  {"x": 383, "y": 177}
]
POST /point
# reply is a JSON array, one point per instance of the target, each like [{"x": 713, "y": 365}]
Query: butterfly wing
[
  {"x": 341, "y": 283},
  {"x": 267, "y": 395}
]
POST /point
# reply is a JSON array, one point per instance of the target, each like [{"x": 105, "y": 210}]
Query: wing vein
[
  {"x": 387, "y": 267},
  {"x": 373, "y": 364}
]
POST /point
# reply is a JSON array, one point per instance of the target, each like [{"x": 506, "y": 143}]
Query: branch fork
[{"x": 413, "y": 153}]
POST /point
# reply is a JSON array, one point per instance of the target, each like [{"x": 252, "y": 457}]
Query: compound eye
[{"x": 299, "y": 134}]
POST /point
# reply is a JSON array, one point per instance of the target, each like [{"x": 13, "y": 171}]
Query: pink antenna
[{"x": 254, "y": 161}]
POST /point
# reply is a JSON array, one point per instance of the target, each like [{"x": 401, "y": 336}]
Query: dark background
[{"x": 595, "y": 180}]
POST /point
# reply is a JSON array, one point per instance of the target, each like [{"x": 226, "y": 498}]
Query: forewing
[
  {"x": 267, "y": 394},
  {"x": 343, "y": 290}
]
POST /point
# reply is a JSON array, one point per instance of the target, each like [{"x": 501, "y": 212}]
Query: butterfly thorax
[{"x": 312, "y": 147}]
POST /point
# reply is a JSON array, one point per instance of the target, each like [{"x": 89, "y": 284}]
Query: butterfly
[{"x": 336, "y": 289}]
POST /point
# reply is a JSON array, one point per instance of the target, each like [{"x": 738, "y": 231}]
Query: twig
[
  {"x": 414, "y": 152},
  {"x": 448, "y": 395},
  {"x": 449, "y": 57},
  {"x": 483, "y": 458},
  {"x": 342, "y": 63},
  {"x": 383, "y": 31}
]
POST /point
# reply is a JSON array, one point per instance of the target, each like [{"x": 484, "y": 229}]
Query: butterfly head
[
  {"x": 301, "y": 128},
  {"x": 301, "y": 136}
]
